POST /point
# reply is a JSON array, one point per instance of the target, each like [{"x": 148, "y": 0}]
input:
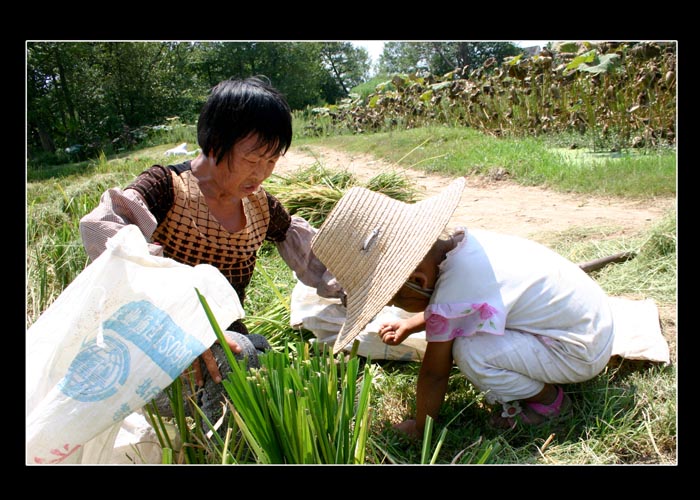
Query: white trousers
[{"x": 516, "y": 365}]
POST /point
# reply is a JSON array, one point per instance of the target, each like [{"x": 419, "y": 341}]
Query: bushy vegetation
[
  {"x": 619, "y": 95},
  {"x": 87, "y": 98}
]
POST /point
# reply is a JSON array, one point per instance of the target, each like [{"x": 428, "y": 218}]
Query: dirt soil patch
[{"x": 498, "y": 204}]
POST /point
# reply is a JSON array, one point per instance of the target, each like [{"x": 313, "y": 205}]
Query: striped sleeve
[
  {"x": 155, "y": 186},
  {"x": 117, "y": 208},
  {"x": 296, "y": 252}
]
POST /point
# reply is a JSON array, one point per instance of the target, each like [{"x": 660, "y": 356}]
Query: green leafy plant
[{"x": 305, "y": 409}]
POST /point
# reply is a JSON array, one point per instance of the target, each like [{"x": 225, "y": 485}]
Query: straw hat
[{"x": 372, "y": 243}]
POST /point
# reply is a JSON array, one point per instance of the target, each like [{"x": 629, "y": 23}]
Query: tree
[
  {"x": 402, "y": 57},
  {"x": 97, "y": 93},
  {"x": 293, "y": 67},
  {"x": 55, "y": 94},
  {"x": 92, "y": 92},
  {"x": 347, "y": 65},
  {"x": 40, "y": 86},
  {"x": 441, "y": 57}
]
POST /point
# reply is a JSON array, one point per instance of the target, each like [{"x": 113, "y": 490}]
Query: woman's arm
[
  {"x": 143, "y": 203},
  {"x": 117, "y": 208},
  {"x": 296, "y": 251}
]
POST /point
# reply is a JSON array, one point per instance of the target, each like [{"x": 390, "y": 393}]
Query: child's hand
[
  {"x": 393, "y": 333},
  {"x": 409, "y": 429}
]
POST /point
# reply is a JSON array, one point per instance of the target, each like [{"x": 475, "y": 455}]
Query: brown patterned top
[{"x": 189, "y": 234}]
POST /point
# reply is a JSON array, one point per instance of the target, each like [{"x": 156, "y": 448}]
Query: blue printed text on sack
[{"x": 157, "y": 335}]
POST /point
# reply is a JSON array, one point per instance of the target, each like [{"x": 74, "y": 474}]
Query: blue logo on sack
[{"x": 95, "y": 372}]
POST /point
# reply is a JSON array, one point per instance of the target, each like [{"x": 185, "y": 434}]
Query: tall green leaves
[{"x": 303, "y": 409}]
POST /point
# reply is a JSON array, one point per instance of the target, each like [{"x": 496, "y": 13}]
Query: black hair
[{"x": 236, "y": 108}]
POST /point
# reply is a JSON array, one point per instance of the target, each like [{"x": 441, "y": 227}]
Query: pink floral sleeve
[{"x": 446, "y": 321}]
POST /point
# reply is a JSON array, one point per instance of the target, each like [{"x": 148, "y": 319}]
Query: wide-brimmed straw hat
[{"x": 372, "y": 243}]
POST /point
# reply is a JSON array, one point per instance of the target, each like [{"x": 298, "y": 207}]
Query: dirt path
[{"x": 501, "y": 205}]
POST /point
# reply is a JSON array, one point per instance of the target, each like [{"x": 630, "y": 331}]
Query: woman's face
[
  {"x": 247, "y": 166},
  {"x": 250, "y": 164}
]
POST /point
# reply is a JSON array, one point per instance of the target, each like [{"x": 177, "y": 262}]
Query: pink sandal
[{"x": 557, "y": 409}]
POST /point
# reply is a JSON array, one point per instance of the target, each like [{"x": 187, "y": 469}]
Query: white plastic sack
[
  {"x": 132, "y": 441},
  {"x": 122, "y": 331},
  {"x": 324, "y": 317}
]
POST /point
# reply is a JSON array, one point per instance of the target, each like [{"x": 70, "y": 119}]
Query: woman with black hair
[{"x": 214, "y": 210}]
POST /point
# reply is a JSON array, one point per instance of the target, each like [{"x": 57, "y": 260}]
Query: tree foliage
[
  {"x": 91, "y": 92},
  {"x": 348, "y": 66},
  {"x": 441, "y": 57},
  {"x": 96, "y": 94}
]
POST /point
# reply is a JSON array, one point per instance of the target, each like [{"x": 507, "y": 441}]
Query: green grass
[
  {"x": 626, "y": 415},
  {"x": 528, "y": 161}
]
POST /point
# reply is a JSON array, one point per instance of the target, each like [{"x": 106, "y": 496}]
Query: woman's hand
[{"x": 210, "y": 362}]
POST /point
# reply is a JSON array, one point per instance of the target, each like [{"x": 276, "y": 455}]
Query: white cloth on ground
[{"x": 324, "y": 317}]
